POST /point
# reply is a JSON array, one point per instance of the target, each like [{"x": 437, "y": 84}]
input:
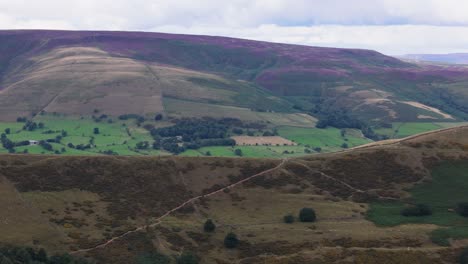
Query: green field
[
  {"x": 249, "y": 151},
  {"x": 447, "y": 189},
  {"x": 118, "y": 136},
  {"x": 401, "y": 130},
  {"x": 329, "y": 139}
]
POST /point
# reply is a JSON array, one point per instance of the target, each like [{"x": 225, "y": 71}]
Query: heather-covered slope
[{"x": 313, "y": 79}]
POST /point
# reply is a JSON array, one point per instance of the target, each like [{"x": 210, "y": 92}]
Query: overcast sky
[{"x": 389, "y": 26}]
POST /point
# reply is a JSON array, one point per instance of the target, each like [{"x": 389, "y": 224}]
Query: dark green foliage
[
  {"x": 187, "y": 258},
  {"x": 417, "y": 210},
  {"x": 344, "y": 145},
  {"x": 307, "y": 215},
  {"x": 7, "y": 131},
  {"x": 288, "y": 219},
  {"x": 96, "y": 130},
  {"x": 238, "y": 152},
  {"x": 46, "y": 145},
  {"x": 238, "y": 131},
  {"x": 463, "y": 258},
  {"x": 462, "y": 209},
  {"x": 209, "y": 226},
  {"x": 142, "y": 145},
  {"x": 20, "y": 255},
  {"x": 231, "y": 240},
  {"x": 158, "y": 117},
  {"x": 153, "y": 258},
  {"x": 30, "y": 126},
  {"x": 21, "y": 119}
]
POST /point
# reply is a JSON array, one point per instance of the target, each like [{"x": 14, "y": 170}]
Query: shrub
[
  {"x": 187, "y": 258},
  {"x": 288, "y": 219},
  {"x": 307, "y": 215},
  {"x": 463, "y": 259},
  {"x": 231, "y": 240},
  {"x": 417, "y": 210},
  {"x": 96, "y": 130},
  {"x": 238, "y": 152},
  {"x": 462, "y": 209},
  {"x": 209, "y": 226}
]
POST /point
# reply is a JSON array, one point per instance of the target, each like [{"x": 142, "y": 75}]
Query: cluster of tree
[
  {"x": 210, "y": 142},
  {"x": 109, "y": 152},
  {"x": 340, "y": 119},
  {"x": 168, "y": 144},
  {"x": 142, "y": 145},
  {"x": 10, "y": 145},
  {"x": 31, "y": 126},
  {"x": 417, "y": 210},
  {"x": 193, "y": 129},
  {"x": 80, "y": 146},
  {"x": 21, "y": 119},
  {"x": 46, "y": 145},
  {"x": 139, "y": 118},
  {"x": 462, "y": 209},
  {"x": 305, "y": 215},
  {"x": 13, "y": 255},
  {"x": 98, "y": 119}
]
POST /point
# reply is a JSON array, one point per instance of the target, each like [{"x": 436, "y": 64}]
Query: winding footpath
[{"x": 191, "y": 200}]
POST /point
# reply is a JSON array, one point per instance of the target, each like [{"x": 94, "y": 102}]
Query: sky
[{"x": 392, "y": 27}]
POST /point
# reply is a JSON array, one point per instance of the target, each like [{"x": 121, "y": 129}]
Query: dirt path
[{"x": 191, "y": 200}]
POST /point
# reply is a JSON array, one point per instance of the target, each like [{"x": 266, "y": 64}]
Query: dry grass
[{"x": 270, "y": 141}]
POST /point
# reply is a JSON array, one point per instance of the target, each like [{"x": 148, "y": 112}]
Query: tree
[
  {"x": 231, "y": 240},
  {"x": 158, "y": 117},
  {"x": 463, "y": 259},
  {"x": 96, "y": 130},
  {"x": 41, "y": 255},
  {"x": 208, "y": 153},
  {"x": 209, "y": 226},
  {"x": 7, "y": 131},
  {"x": 417, "y": 210},
  {"x": 344, "y": 145},
  {"x": 288, "y": 219},
  {"x": 238, "y": 152},
  {"x": 307, "y": 215},
  {"x": 462, "y": 209},
  {"x": 40, "y": 125},
  {"x": 187, "y": 258}
]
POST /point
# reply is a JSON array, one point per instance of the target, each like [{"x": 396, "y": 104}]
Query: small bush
[
  {"x": 209, "y": 226},
  {"x": 417, "y": 210},
  {"x": 307, "y": 215},
  {"x": 187, "y": 258},
  {"x": 462, "y": 209},
  {"x": 231, "y": 240},
  {"x": 463, "y": 259},
  {"x": 288, "y": 219}
]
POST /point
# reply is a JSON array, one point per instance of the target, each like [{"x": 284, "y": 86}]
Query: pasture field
[
  {"x": 442, "y": 194},
  {"x": 401, "y": 130},
  {"x": 249, "y": 151},
  {"x": 328, "y": 139},
  {"x": 119, "y": 136}
]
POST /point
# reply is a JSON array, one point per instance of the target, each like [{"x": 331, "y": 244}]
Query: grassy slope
[
  {"x": 401, "y": 130},
  {"x": 447, "y": 188}
]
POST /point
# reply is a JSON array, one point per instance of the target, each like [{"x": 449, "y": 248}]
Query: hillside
[
  {"x": 137, "y": 209},
  {"x": 76, "y": 72}
]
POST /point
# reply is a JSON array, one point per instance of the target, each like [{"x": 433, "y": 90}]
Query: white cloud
[{"x": 390, "y": 26}]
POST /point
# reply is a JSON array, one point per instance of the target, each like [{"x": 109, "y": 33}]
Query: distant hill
[
  {"x": 80, "y": 72},
  {"x": 453, "y": 58}
]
